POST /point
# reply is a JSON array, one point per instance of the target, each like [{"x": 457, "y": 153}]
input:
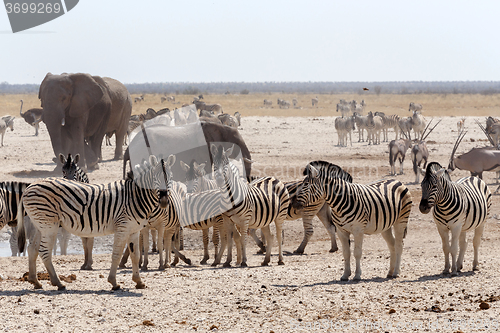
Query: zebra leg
[
  {"x": 88, "y": 245},
  {"x": 346, "y": 251},
  {"x": 206, "y": 239},
  {"x": 230, "y": 231},
  {"x": 144, "y": 248},
  {"x": 358, "y": 251},
  {"x": 124, "y": 258},
  {"x": 389, "y": 239},
  {"x": 455, "y": 235},
  {"x": 167, "y": 241},
  {"x": 119, "y": 244},
  {"x": 160, "y": 231},
  {"x": 33, "y": 247},
  {"x": 64, "y": 240},
  {"x": 325, "y": 216},
  {"x": 279, "y": 237},
  {"x": 463, "y": 246},
  {"x": 216, "y": 238},
  {"x": 154, "y": 236},
  {"x": 260, "y": 244},
  {"x": 269, "y": 244},
  {"x": 400, "y": 228},
  {"x": 308, "y": 232},
  {"x": 135, "y": 251},
  {"x": 243, "y": 234},
  {"x": 47, "y": 241},
  {"x": 478, "y": 233},
  {"x": 443, "y": 232}
]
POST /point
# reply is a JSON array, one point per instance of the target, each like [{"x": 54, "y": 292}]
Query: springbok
[
  {"x": 461, "y": 125},
  {"x": 420, "y": 153},
  {"x": 398, "y": 148}
]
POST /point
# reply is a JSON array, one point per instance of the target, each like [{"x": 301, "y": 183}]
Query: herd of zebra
[
  {"x": 284, "y": 104},
  {"x": 149, "y": 198}
]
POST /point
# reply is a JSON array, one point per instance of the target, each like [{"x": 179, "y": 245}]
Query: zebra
[
  {"x": 295, "y": 103},
  {"x": 362, "y": 124},
  {"x": 283, "y": 104},
  {"x": 344, "y": 109},
  {"x": 254, "y": 205},
  {"x": 355, "y": 107},
  {"x": 89, "y": 210},
  {"x": 418, "y": 124},
  {"x": 170, "y": 98},
  {"x": 72, "y": 171},
  {"x": 139, "y": 99},
  {"x": 6, "y": 122},
  {"x": 415, "y": 107},
  {"x": 374, "y": 126},
  {"x": 493, "y": 130},
  {"x": 209, "y": 107},
  {"x": 390, "y": 121},
  {"x": 268, "y": 103},
  {"x": 405, "y": 126},
  {"x": 380, "y": 207},
  {"x": 314, "y": 101},
  {"x": 344, "y": 126},
  {"x": 237, "y": 115},
  {"x": 196, "y": 181},
  {"x": 458, "y": 208},
  {"x": 163, "y": 99}
]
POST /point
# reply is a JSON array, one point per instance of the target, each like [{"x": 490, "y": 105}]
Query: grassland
[{"x": 252, "y": 104}]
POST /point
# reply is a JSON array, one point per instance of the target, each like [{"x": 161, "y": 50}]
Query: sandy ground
[{"x": 304, "y": 295}]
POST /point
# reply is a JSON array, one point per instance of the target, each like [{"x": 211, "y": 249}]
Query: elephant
[
  {"x": 187, "y": 142},
  {"x": 79, "y": 109}
]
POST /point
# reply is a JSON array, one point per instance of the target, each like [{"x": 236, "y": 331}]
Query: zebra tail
[
  {"x": 21, "y": 234},
  {"x": 415, "y": 166}
]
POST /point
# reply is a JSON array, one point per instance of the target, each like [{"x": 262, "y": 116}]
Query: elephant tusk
[{"x": 63, "y": 122}]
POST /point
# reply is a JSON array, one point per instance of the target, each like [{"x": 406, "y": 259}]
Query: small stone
[
  {"x": 101, "y": 276},
  {"x": 148, "y": 323},
  {"x": 484, "y": 306},
  {"x": 263, "y": 286},
  {"x": 36, "y": 311},
  {"x": 391, "y": 311}
]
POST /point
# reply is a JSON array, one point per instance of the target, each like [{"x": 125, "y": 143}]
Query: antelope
[
  {"x": 493, "y": 129},
  {"x": 477, "y": 160},
  {"x": 420, "y": 153},
  {"x": 398, "y": 148}
]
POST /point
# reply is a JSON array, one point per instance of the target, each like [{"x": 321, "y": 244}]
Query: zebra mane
[
  {"x": 330, "y": 169},
  {"x": 433, "y": 167}
]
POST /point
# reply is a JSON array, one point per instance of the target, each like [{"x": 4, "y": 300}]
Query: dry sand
[{"x": 304, "y": 295}]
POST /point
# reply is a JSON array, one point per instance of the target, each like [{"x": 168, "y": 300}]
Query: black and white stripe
[
  {"x": 121, "y": 208},
  {"x": 255, "y": 205},
  {"x": 380, "y": 207},
  {"x": 458, "y": 207}
]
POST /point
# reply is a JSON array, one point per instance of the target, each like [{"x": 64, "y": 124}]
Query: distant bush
[
  {"x": 191, "y": 91},
  {"x": 245, "y": 92}
]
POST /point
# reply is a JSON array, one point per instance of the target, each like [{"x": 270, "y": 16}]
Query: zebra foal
[
  {"x": 458, "y": 208},
  {"x": 89, "y": 210},
  {"x": 380, "y": 207}
]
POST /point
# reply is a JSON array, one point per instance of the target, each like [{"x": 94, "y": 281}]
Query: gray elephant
[{"x": 79, "y": 109}]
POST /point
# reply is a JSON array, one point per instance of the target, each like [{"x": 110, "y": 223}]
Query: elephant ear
[
  {"x": 86, "y": 93},
  {"x": 42, "y": 86}
]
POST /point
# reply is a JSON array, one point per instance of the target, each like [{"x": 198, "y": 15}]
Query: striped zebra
[
  {"x": 458, "y": 208},
  {"x": 374, "y": 126},
  {"x": 295, "y": 103},
  {"x": 344, "y": 126},
  {"x": 418, "y": 125},
  {"x": 283, "y": 104},
  {"x": 89, "y": 210},
  {"x": 196, "y": 182},
  {"x": 344, "y": 109},
  {"x": 268, "y": 103},
  {"x": 405, "y": 126},
  {"x": 72, "y": 171},
  {"x": 493, "y": 130},
  {"x": 415, "y": 107},
  {"x": 390, "y": 121},
  {"x": 254, "y": 205},
  {"x": 209, "y": 107},
  {"x": 380, "y": 207},
  {"x": 6, "y": 122},
  {"x": 362, "y": 124},
  {"x": 314, "y": 101}
]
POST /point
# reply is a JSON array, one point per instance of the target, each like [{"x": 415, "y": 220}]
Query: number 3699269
[{"x": 38, "y": 8}]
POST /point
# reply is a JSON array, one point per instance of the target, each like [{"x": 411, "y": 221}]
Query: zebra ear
[
  {"x": 62, "y": 158},
  {"x": 313, "y": 171},
  {"x": 184, "y": 166},
  {"x": 213, "y": 149},
  {"x": 440, "y": 172},
  {"x": 76, "y": 159},
  {"x": 199, "y": 167},
  {"x": 229, "y": 151},
  {"x": 170, "y": 161},
  {"x": 153, "y": 160}
]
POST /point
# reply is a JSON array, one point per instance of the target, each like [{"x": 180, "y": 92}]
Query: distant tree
[
  {"x": 378, "y": 90},
  {"x": 245, "y": 92}
]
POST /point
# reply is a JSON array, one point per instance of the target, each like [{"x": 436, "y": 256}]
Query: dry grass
[{"x": 252, "y": 104}]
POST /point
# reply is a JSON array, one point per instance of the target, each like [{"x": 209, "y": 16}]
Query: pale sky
[{"x": 255, "y": 41}]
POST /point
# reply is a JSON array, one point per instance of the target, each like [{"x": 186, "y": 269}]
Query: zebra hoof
[
  {"x": 144, "y": 269},
  {"x": 260, "y": 252},
  {"x": 140, "y": 285},
  {"x": 357, "y": 278},
  {"x": 475, "y": 269},
  {"x": 263, "y": 264},
  {"x": 298, "y": 251},
  {"x": 37, "y": 285},
  {"x": 161, "y": 268},
  {"x": 454, "y": 274},
  {"x": 244, "y": 264},
  {"x": 226, "y": 264},
  {"x": 188, "y": 261},
  {"x": 204, "y": 262},
  {"x": 344, "y": 279},
  {"x": 281, "y": 262},
  {"x": 214, "y": 264},
  {"x": 334, "y": 249},
  {"x": 117, "y": 287},
  {"x": 122, "y": 266},
  {"x": 87, "y": 268}
]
